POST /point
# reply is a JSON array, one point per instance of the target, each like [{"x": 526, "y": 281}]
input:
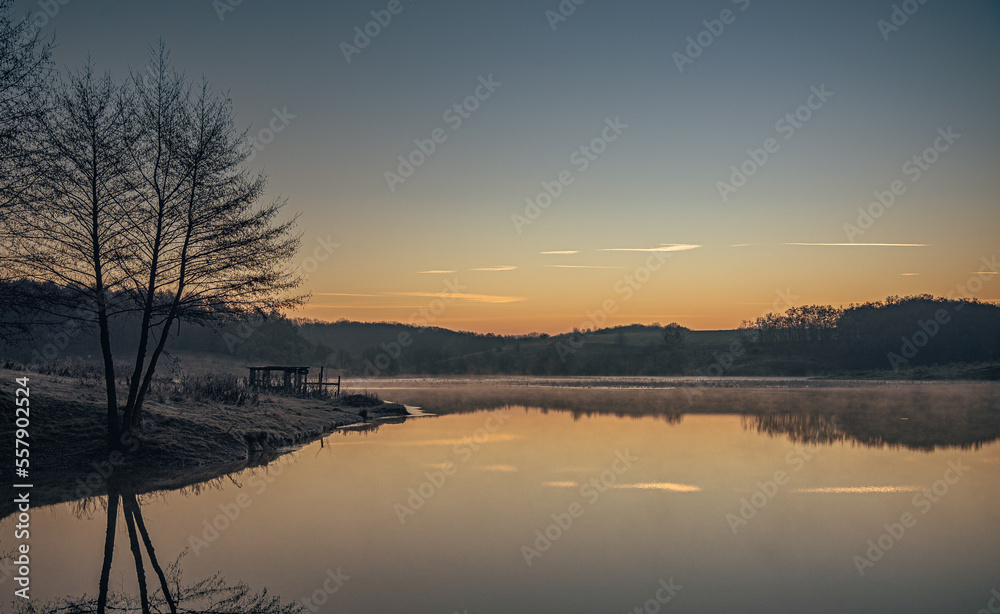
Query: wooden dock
[{"x": 294, "y": 380}]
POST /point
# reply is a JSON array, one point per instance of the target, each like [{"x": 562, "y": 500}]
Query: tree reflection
[
  {"x": 170, "y": 594},
  {"x": 873, "y": 414}
]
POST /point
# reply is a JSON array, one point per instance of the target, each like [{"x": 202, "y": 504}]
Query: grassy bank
[{"x": 192, "y": 430}]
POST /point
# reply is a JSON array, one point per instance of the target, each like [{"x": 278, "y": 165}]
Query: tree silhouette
[{"x": 144, "y": 207}]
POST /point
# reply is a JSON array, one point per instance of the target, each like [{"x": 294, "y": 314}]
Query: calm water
[{"x": 527, "y": 510}]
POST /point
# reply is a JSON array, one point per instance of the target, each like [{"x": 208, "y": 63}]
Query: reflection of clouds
[
  {"x": 669, "y": 486},
  {"x": 499, "y": 468},
  {"x": 503, "y": 267},
  {"x": 859, "y": 490},
  {"x": 456, "y": 441}
]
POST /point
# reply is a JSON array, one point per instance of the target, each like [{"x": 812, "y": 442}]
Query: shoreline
[{"x": 181, "y": 441}]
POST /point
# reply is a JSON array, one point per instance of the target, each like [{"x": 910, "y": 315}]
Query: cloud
[
  {"x": 664, "y": 247},
  {"x": 565, "y": 252},
  {"x": 861, "y": 244},
  {"x": 472, "y": 298},
  {"x": 579, "y": 266},
  {"x": 503, "y": 267},
  {"x": 367, "y": 306},
  {"x": 434, "y": 272},
  {"x": 342, "y": 294},
  {"x": 909, "y": 274}
]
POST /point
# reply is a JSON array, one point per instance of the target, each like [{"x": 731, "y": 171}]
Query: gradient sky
[{"x": 654, "y": 187}]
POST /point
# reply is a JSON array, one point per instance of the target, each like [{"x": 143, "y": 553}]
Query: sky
[{"x": 526, "y": 166}]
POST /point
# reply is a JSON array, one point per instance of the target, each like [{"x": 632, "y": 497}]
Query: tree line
[{"x": 893, "y": 333}]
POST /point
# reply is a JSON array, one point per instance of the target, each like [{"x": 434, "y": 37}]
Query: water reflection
[
  {"x": 665, "y": 516},
  {"x": 170, "y": 592},
  {"x": 912, "y": 415}
]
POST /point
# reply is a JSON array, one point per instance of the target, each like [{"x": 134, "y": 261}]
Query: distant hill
[{"x": 919, "y": 336}]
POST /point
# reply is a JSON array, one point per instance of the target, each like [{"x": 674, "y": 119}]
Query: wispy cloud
[
  {"x": 579, "y": 266},
  {"x": 472, "y": 298},
  {"x": 564, "y": 252},
  {"x": 367, "y": 306},
  {"x": 861, "y": 244},
  {"x": 744, "y": 244},
  {"x": 909, "y": 274},
  {"x": 434, "y": 272},
  {"x": 664, "y": 247},
  {"x": 342, "y": 294},
  {"x": 503, "y": 267}
]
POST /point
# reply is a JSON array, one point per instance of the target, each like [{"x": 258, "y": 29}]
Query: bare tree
[
  {"x": 209, "y": 252},
  {"x": 69, "y": 236},
  {"x": 24, "y": 67},
  {"x": 145, "y": 207}
]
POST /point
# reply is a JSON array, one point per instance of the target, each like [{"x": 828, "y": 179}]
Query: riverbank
[{"x": 183, "y": 438}]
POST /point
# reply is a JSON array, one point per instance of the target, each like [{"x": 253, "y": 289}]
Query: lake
[{"x": 590, "y": 496}]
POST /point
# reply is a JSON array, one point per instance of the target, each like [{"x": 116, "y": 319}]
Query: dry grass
[{"x": 188, "y": 429}]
